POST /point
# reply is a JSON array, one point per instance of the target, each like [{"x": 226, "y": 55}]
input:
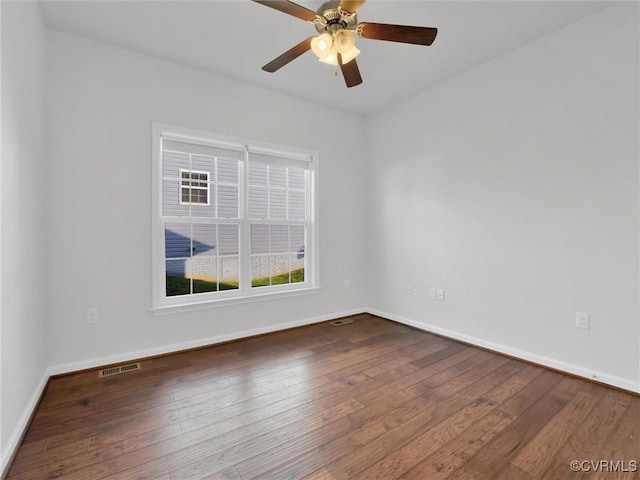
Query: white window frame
[
  {"x": 161, "y": 304},
  {"x": 191, "y": 187}
]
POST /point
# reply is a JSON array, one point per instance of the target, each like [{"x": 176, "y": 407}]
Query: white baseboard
[
  {"x": 14, "y": 440},
  {"x": 202, "y": 342},
  {"x": 602, "y": 377}
]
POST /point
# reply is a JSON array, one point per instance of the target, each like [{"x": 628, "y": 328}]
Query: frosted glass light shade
[
  {"x": 331, "y": 58},
  {"x": 344, "y": 40},
  {"x": 322, "y": 45},
  {"x": 350, "y": 55}
]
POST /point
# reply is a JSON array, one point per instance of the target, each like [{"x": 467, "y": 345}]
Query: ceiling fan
[{"x": 337, "y": 25}]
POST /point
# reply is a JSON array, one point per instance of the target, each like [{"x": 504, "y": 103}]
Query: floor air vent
[
  {"x": 344, "y": 321},
  {"x": 107, "y": 372}
]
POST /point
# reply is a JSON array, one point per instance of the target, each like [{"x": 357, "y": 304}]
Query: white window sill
[{"x": 226, "y": 302}]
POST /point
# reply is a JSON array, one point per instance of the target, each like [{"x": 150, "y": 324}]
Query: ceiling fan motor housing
[{"x": 334, "y": 20}]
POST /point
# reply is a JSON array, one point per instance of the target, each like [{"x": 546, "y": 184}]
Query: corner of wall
[{"x": 23, "y": 371}]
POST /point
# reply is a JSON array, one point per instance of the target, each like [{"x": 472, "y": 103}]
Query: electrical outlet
[
  {"x": 92, "y": 315},
  {"x": 582, "y": 320},
  {"x": 433, "y": 295},
  {"x": 409, "y": 289},
  {"x": 347, "y": 284},
  {"x": 440, "y": 294}
]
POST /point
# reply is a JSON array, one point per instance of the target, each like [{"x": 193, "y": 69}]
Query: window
[
  {"x": 194, "y": 187},
  {"x": 232, "y": 220}
]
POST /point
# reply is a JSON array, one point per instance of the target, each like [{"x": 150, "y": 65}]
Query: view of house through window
[
  {"x": 236, "y": 219},
  {"x": 194, "y": 187}
]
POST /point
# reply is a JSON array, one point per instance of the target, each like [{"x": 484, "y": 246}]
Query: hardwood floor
[{"x": 371, "y": 399}]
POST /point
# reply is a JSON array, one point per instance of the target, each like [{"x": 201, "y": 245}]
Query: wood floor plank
[
  {"x": 449, "y": 457},
  {"x": 322, "y": 474},
  {"x": 511, "y": 472},
  {"x": 396, "y": 462},
  {"x": 586, "y": 441},
  {"x": 460, "y": 474},
  {"x": 404, "y": 423},
  {"x": 406, "y": 457},
  {"x": 496, "y": 455},
  {"x": 622, "y": 447},
  {"x": 538, "y": 454},
  {"x": 385, "y": 412},
  {"x": 370, "y": 399}
]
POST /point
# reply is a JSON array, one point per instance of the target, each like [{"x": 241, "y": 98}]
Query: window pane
[
  {"x": 281, "y": 261},
  {"x": 258, "y": 202},
  {"x": 205, "y": 166},
  {"x": 297, "y": 210},
  {"x": 279, "y": 269},
  {"x": 258, "y": 174},
  {"x": 204, "y": 210},
  {"x": 228, "y": 242},
  {"x": 177, "y": 240},
  {"x": 260, "y": 268},
  {"x": 297, "y": 257},
  {"x": 277, "y": 176},
  {"x": 227, "y": 171},
  {"x": 204, "y": 272},
  {"x": 173, "y": 162},
  {"x": 278, "y": 208},
  {"x": 260, "y": 258},
  {"x": 171, "y": 197},
  {"x": 177, "y": 282},
  {"x": 279, "y": 238},
  {"x": 229, "y": 270},
  {"x": 297, "y": 268},
  {"x": 259, "y": 239},
  {"x": 297, "y": 239},
  {"x": 199, "y": 196},
  {"x": 204, "y": 239},
  {"x": 296, "y": 178},
  {"x": 227, "y": 201}
]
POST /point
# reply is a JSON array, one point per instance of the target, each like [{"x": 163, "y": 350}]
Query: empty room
[{"x": 320, "y": 240}]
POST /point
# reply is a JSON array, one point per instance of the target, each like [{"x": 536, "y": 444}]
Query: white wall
[
  {"x": 22, "y": 353},
  {"x": 100, "y": 103},
  {"x": 515, "y": 187}
]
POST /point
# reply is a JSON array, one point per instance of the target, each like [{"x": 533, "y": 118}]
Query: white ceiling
[{"x": 235, "y": 38}]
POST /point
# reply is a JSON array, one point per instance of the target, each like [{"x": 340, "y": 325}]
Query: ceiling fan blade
[
  {"x": 350, "y": 72},
  {"x": 290, "y": 8},
  {"x": 288, "y": 56},
  {"x": 397, "y": 33},
  {"x": 352, "y": 6}
]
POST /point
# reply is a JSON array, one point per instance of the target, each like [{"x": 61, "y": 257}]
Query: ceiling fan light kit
[
  {"x": 327, "y": 47},
  {"x": 337, "y": 26}
]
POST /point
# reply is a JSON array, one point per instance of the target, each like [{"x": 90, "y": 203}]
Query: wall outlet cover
[
  {"x": 92, "y": 315},
  {"x": 582, "y": 320}
]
